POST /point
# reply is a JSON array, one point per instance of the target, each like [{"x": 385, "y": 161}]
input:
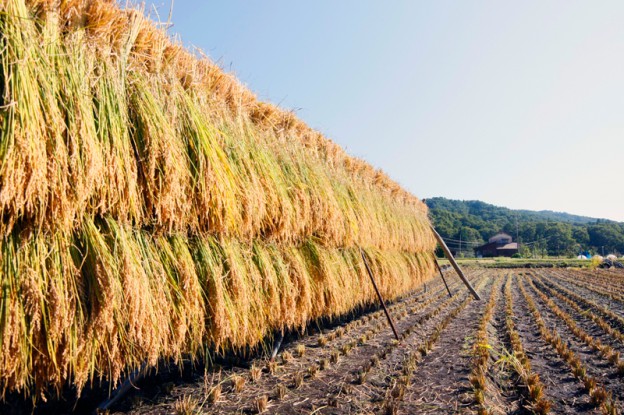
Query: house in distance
[{"x": 500, "y": 244}]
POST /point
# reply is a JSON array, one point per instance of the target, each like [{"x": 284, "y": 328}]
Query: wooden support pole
[
  {"x": 123, "y": 389},
  {"x": 370, "y": 274},
  {"x": 448, "y": 254},
  {"x": 277, "y": 343},
  {"x": 442, "y": 275}
]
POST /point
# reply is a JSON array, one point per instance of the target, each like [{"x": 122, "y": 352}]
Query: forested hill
[
  {"x": 473, "y": 222},
  {"x": 549, "y": 215}
]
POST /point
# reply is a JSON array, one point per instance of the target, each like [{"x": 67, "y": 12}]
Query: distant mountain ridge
[
  {"x": 471, "y": 222},
  {"x": 562, "y": 216}
]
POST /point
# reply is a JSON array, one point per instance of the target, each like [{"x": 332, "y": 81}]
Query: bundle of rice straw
[{"x": 153, "y": 208}]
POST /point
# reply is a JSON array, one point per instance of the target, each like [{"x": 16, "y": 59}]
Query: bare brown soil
[
  {"x": 358, "y": 368},
  {"x": 565, "y": 392}
]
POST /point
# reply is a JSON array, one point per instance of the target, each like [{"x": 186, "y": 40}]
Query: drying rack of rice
[{"x": 152, "y": 208}]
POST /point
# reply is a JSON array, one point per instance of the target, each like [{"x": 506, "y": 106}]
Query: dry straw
[{"x": 151, "y": 206}]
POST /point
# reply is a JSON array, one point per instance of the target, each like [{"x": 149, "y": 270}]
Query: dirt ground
[{"x": 357, "y": 367}]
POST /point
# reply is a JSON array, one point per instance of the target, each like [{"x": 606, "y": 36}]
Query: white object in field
[{"x": 612, "y": 257}]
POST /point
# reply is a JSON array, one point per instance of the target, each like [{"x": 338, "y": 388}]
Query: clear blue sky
[{"x": 519, "y": 104}]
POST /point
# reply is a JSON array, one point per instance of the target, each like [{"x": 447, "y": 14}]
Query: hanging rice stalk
[{"x": 152, "y": 207}]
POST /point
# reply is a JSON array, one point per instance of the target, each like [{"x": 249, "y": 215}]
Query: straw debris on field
[{"x": 152, "y": 207}]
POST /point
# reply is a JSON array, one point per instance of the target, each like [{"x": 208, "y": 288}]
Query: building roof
[
  {"x": 513, "y": 245},
  {"x": 494, "y": 245},
  {"x": 500, "y": 235}
]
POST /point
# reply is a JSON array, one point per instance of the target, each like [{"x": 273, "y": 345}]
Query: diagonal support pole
[
  {"x": 277, "y": 343},
  {"x": 370, "y": 274},
  {"x": 449, "y": 256},
  {"x": 442, "y": 275},
  {"x": 123, "y": 389}
]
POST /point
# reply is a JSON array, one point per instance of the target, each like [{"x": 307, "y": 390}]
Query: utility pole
[
  {"x": 602, "y": 250},
  {"x": 460, "y": 242}
]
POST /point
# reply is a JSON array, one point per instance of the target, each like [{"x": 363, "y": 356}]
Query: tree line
[{"x": 467, "y": 224}]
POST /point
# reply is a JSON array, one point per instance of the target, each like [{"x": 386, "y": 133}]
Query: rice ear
[
  {"x": 91, "y": 129},
  {"x": 153, "y": 208}
]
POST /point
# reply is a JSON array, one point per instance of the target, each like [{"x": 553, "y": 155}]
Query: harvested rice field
[
  {"x": 540, "y": 341},
  {"x": 161, "y": 228}
]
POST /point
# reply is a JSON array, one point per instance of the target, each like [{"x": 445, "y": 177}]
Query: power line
[
  {"x": 462, "y": 245},
  {"x": 457, "y": 241},
  {"x": 462, "y": 241}
]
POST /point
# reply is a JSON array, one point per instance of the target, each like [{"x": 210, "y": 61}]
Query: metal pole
[
  {"x": 454, "y": 263},
  {"x": 442, "y": 275},
  {"x": 370, "y": 274}
]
